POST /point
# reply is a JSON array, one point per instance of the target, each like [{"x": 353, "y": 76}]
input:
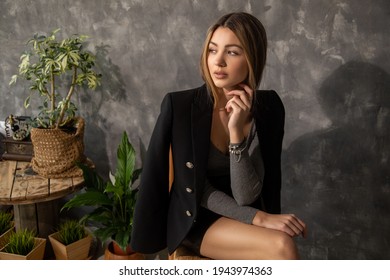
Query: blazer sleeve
[
  {"x": 271, "y": 134},
  {"x": 149, "y": 233}
]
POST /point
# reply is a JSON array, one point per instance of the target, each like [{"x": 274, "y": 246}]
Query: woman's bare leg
[{"x": 230, "y": 239}]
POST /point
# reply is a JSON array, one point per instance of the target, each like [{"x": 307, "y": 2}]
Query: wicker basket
[{"x": 56, "y": 151}]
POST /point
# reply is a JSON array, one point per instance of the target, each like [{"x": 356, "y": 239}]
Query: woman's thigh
[{"x": 230, "y": 239}]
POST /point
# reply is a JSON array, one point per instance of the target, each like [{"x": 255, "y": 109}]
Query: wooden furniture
[{"x": 34, "y": 198}]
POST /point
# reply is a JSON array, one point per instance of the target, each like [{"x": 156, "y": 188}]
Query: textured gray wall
[{"x": 328, "y": 59}]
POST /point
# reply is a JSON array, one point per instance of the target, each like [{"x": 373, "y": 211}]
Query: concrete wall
[{"x": 328, "y": 60}]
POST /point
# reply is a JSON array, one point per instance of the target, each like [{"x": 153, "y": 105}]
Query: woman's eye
[
  {"x": 212, "y": 51},
  {"x": 232, "y": 53}
]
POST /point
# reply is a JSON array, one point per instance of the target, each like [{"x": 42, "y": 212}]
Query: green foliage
[
  {"x": 5, "y": 221},
  {"x": 49, "y": 62},
  {"x": 114, "y": 200},
  {"x": 21, "y": 242},
  {"x": 71, "y": 231}
]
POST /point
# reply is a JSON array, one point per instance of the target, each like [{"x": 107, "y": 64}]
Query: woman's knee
[{"x": 285, "y": 247}]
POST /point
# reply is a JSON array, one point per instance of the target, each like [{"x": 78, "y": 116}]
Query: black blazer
[{"x": 162, "y": 218}]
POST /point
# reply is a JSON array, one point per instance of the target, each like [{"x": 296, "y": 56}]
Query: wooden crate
[
  {"x": 37, "y": 252},
  {"x": 78, "y": 250},
  {"x": 5, "y": 236}
]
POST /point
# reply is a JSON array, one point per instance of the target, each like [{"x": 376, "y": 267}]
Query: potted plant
[
  {"x": 114, "y": 201},
  {"x": 71, "y": 242},
  {"x": 23, "y": 245},
  {"x": 55, "y": 69},
  {"x": 6, "y": 227}
]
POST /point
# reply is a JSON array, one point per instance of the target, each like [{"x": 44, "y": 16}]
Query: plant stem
[
  {"x": 52, "y": 93},
  {"x": 68, "y": 96}
]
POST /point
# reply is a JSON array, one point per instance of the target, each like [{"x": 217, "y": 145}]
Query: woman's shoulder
[
  {"x": 189, "y": 96},
  {"x": 268, "y": 99},
  {"x": 187, "y": 92},
  {"x": 268, "y": 95}
]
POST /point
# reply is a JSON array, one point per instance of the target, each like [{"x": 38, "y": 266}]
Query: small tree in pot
[
  {"x": 50, "y": 63},
  {"x": 55, "y": 68}
]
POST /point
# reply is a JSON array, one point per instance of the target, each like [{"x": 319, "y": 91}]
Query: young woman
[{"x": 226, "y": 140}]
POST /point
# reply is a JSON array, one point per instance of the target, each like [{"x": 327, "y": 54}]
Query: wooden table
[
  {"x": 34, "y": 198},
  {"x": 20, "y": 185}
]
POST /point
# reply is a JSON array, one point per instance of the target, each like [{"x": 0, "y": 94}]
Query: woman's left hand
[
  {"x": 287, "y": 223},
  {"x": 238, "y": 107}
]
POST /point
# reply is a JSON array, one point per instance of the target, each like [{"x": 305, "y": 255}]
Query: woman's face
[{"x": 226, "y": 60}]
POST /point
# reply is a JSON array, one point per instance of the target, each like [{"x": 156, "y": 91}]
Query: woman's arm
[
  {"x": 247, "y": 173},
  {"x": 223, "y": 204},
  {"x": 246, "y": 179},
  {"x": 245, "y": 183}
]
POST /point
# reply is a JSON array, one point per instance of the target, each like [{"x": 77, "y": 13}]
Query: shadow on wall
[
  {"x": 112, "y": 87},
  {"x": 337, "y": 179}
]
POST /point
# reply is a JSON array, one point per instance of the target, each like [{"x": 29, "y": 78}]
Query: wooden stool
[{"x": 183, "y": 253}]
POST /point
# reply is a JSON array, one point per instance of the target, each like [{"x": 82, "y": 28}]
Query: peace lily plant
[
  {"x": 52, "y": 66},
  {"x": 113, "y": 200}
]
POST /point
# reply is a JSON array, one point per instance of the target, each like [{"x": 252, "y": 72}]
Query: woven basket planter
[
  {"x": 78, "y": 250},
  {"x": 37, "y": 253},
  {"x": 56, "y": 151}
]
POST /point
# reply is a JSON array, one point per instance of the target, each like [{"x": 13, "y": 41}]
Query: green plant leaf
[
  {"x": 91, "y": 179},
  {"x": 21, "y": 242},
  {"x": 104, "y": 234},
  {"x": 70, "y": 231},
  {"x": 63, "y": 58},
  {"x": 122, "y": 238},
  {"x": 89, "y": 198},
  {"x": 27, "y": 102},
  {"x": 126, "y": 162}
]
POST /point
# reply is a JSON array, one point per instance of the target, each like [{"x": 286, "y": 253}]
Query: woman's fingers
[
  {"x": 245, "y": 95},
  {"x": 236, "y": 103},
  {"x": 248, "y": 90},
  {"x": 296, "y": 225},
  {"x": 287, "y": 223}
]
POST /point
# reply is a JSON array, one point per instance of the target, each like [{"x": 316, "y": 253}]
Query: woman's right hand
[
  {"x": 239, "y": 108},
  {"x": 287, "y": 223}
]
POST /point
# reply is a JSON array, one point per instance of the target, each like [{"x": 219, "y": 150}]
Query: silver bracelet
[{"x": 237, "y": 149}]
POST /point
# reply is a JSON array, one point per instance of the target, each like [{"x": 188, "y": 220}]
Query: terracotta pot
[
  {"x": 109, "y": 254},
  {"x": 119, "y": 251}
]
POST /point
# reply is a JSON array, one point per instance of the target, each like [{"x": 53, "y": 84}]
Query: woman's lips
[{"x": 220, "y": 75}]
